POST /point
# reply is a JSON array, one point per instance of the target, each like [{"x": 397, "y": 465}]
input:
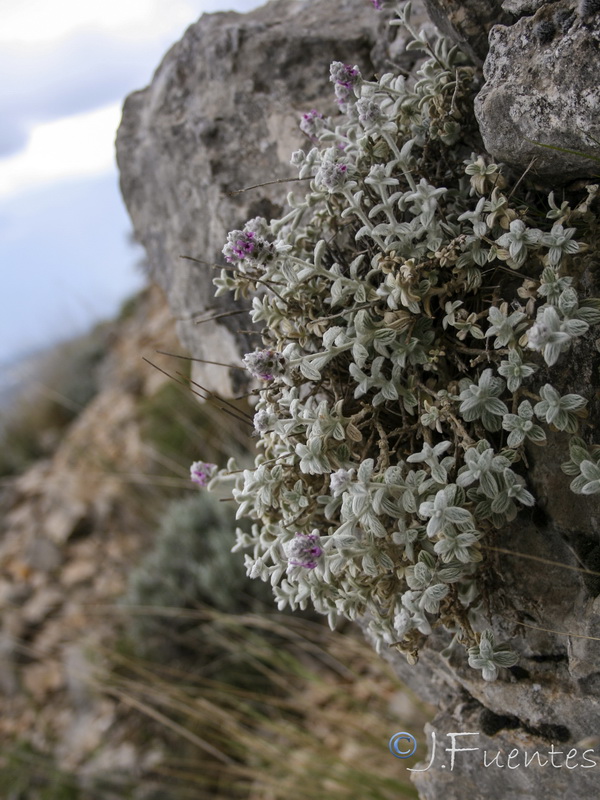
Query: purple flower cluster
[
  {"x": 201, "y": 472},
  {"x": 345, "y": 79},
  {"x": 369, "y": 112},
  {"x": 311, "y": 123},
  {"x": 247, "y": 244},
  {"x": 304, "y": 550},
  {"x": 265, "y": 364},
  {"x": 344, "y": 74},
  {"x": 240, "y": 245},
  {"x": 331, "y": 175}
]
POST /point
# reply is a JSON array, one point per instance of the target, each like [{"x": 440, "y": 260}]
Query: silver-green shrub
[
  {"x": 189, "y": 566},
  {"x": 410, "y": 300}
]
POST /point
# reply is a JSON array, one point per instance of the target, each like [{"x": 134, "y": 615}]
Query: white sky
[
  {"x": 34, "y": 21},
  {"x": 83, "y": 144}
]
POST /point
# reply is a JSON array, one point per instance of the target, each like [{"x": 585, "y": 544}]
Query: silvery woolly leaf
[
  {"x": 451, "y": 573},
  {"x": 438, "y": 473},
  {"x": 578, "y": 451},
  {"x": 590, "y": 470},
  {"x": 360, "y": 354},
  {"x": 319, "y": 252},
  {"x": 536, "y": 435},
  {"x": 385, "y": 561},
  {"x": 365, "y": 470},
  {"x": 331, "y": 335},
  {"x": 589, "y": 315},
  {"x": 488, "y": 484},
  {"x": 386, "y": 336},
  {"x": 309, "y": 371},
  {"x": 575, "y": 327},
  {"x": 373, "y": 525},
  {"x": 515, "y": 438},
  {"x": 500, "y": 503},
  {"x": 504, "y": 657},
  {"x": 567, "y": 302},
  {"x": 368, "y": 565},
  {"x": 409, "y": 502},
  {"x": 569, "y": 468},
  {"x": 495, "y": 406},
  {"x": 432, "y": 597},
  {"x": 359, "y": 503},
  {"x": 427, "y": 559},
  {"x": 388, "y": 391},
  {"x": 457, "y": 515},
  {"x": 593, "y": 487},
  {"x": 572, "y": 402}
]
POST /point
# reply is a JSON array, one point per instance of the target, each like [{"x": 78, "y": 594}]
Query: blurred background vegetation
[
  {"x": 56, "y": 385},
  {"x": 226, "y": 697}
]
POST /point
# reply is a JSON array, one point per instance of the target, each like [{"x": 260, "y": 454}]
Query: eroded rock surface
[
  {"x": 542, "y": 88},
  {"x": 468, "y": 23}
]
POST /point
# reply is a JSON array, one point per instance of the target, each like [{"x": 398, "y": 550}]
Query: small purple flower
[
  {"x": 340, "y": 480},
  {"x": 377, "y": 4},
  {"x": 331, "y": 175},
  {"x": 344, "y": 74},
  {"x": 311, "y": 124},
  {"x": 369, "y": 112},
  {"x": 345, "y": 79},
  {"x": 304, "y": 550},
  {"x": 201, "y": 472},
  {"x": 265, "y": 364}
]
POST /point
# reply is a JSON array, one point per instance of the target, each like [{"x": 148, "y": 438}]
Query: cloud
[
  {"x": 66, "y": 57},
  {"x": 38, "y": 21},
  {"x": 88, "y": 71},
  {"x": 76, "y": 146}
]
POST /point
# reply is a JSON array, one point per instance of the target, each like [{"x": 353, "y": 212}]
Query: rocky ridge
[{"x": 73, "y": 526}]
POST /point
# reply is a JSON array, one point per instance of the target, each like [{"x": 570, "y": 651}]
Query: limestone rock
[
  {"x": 468, "y": 23},
  {"x": 522, "y": 8},
  {"x": 501, "y": 765},
  {"x": 542, "y": 89}
]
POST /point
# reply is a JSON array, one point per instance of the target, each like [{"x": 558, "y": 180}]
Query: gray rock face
[
  {"x": 222, "y": 114},
  {"x": 543, "y": 607},
  {"x": 468, "y": 23},
  {"x": 542, "y": 88},
  {"x": 521, "y": 8}
]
